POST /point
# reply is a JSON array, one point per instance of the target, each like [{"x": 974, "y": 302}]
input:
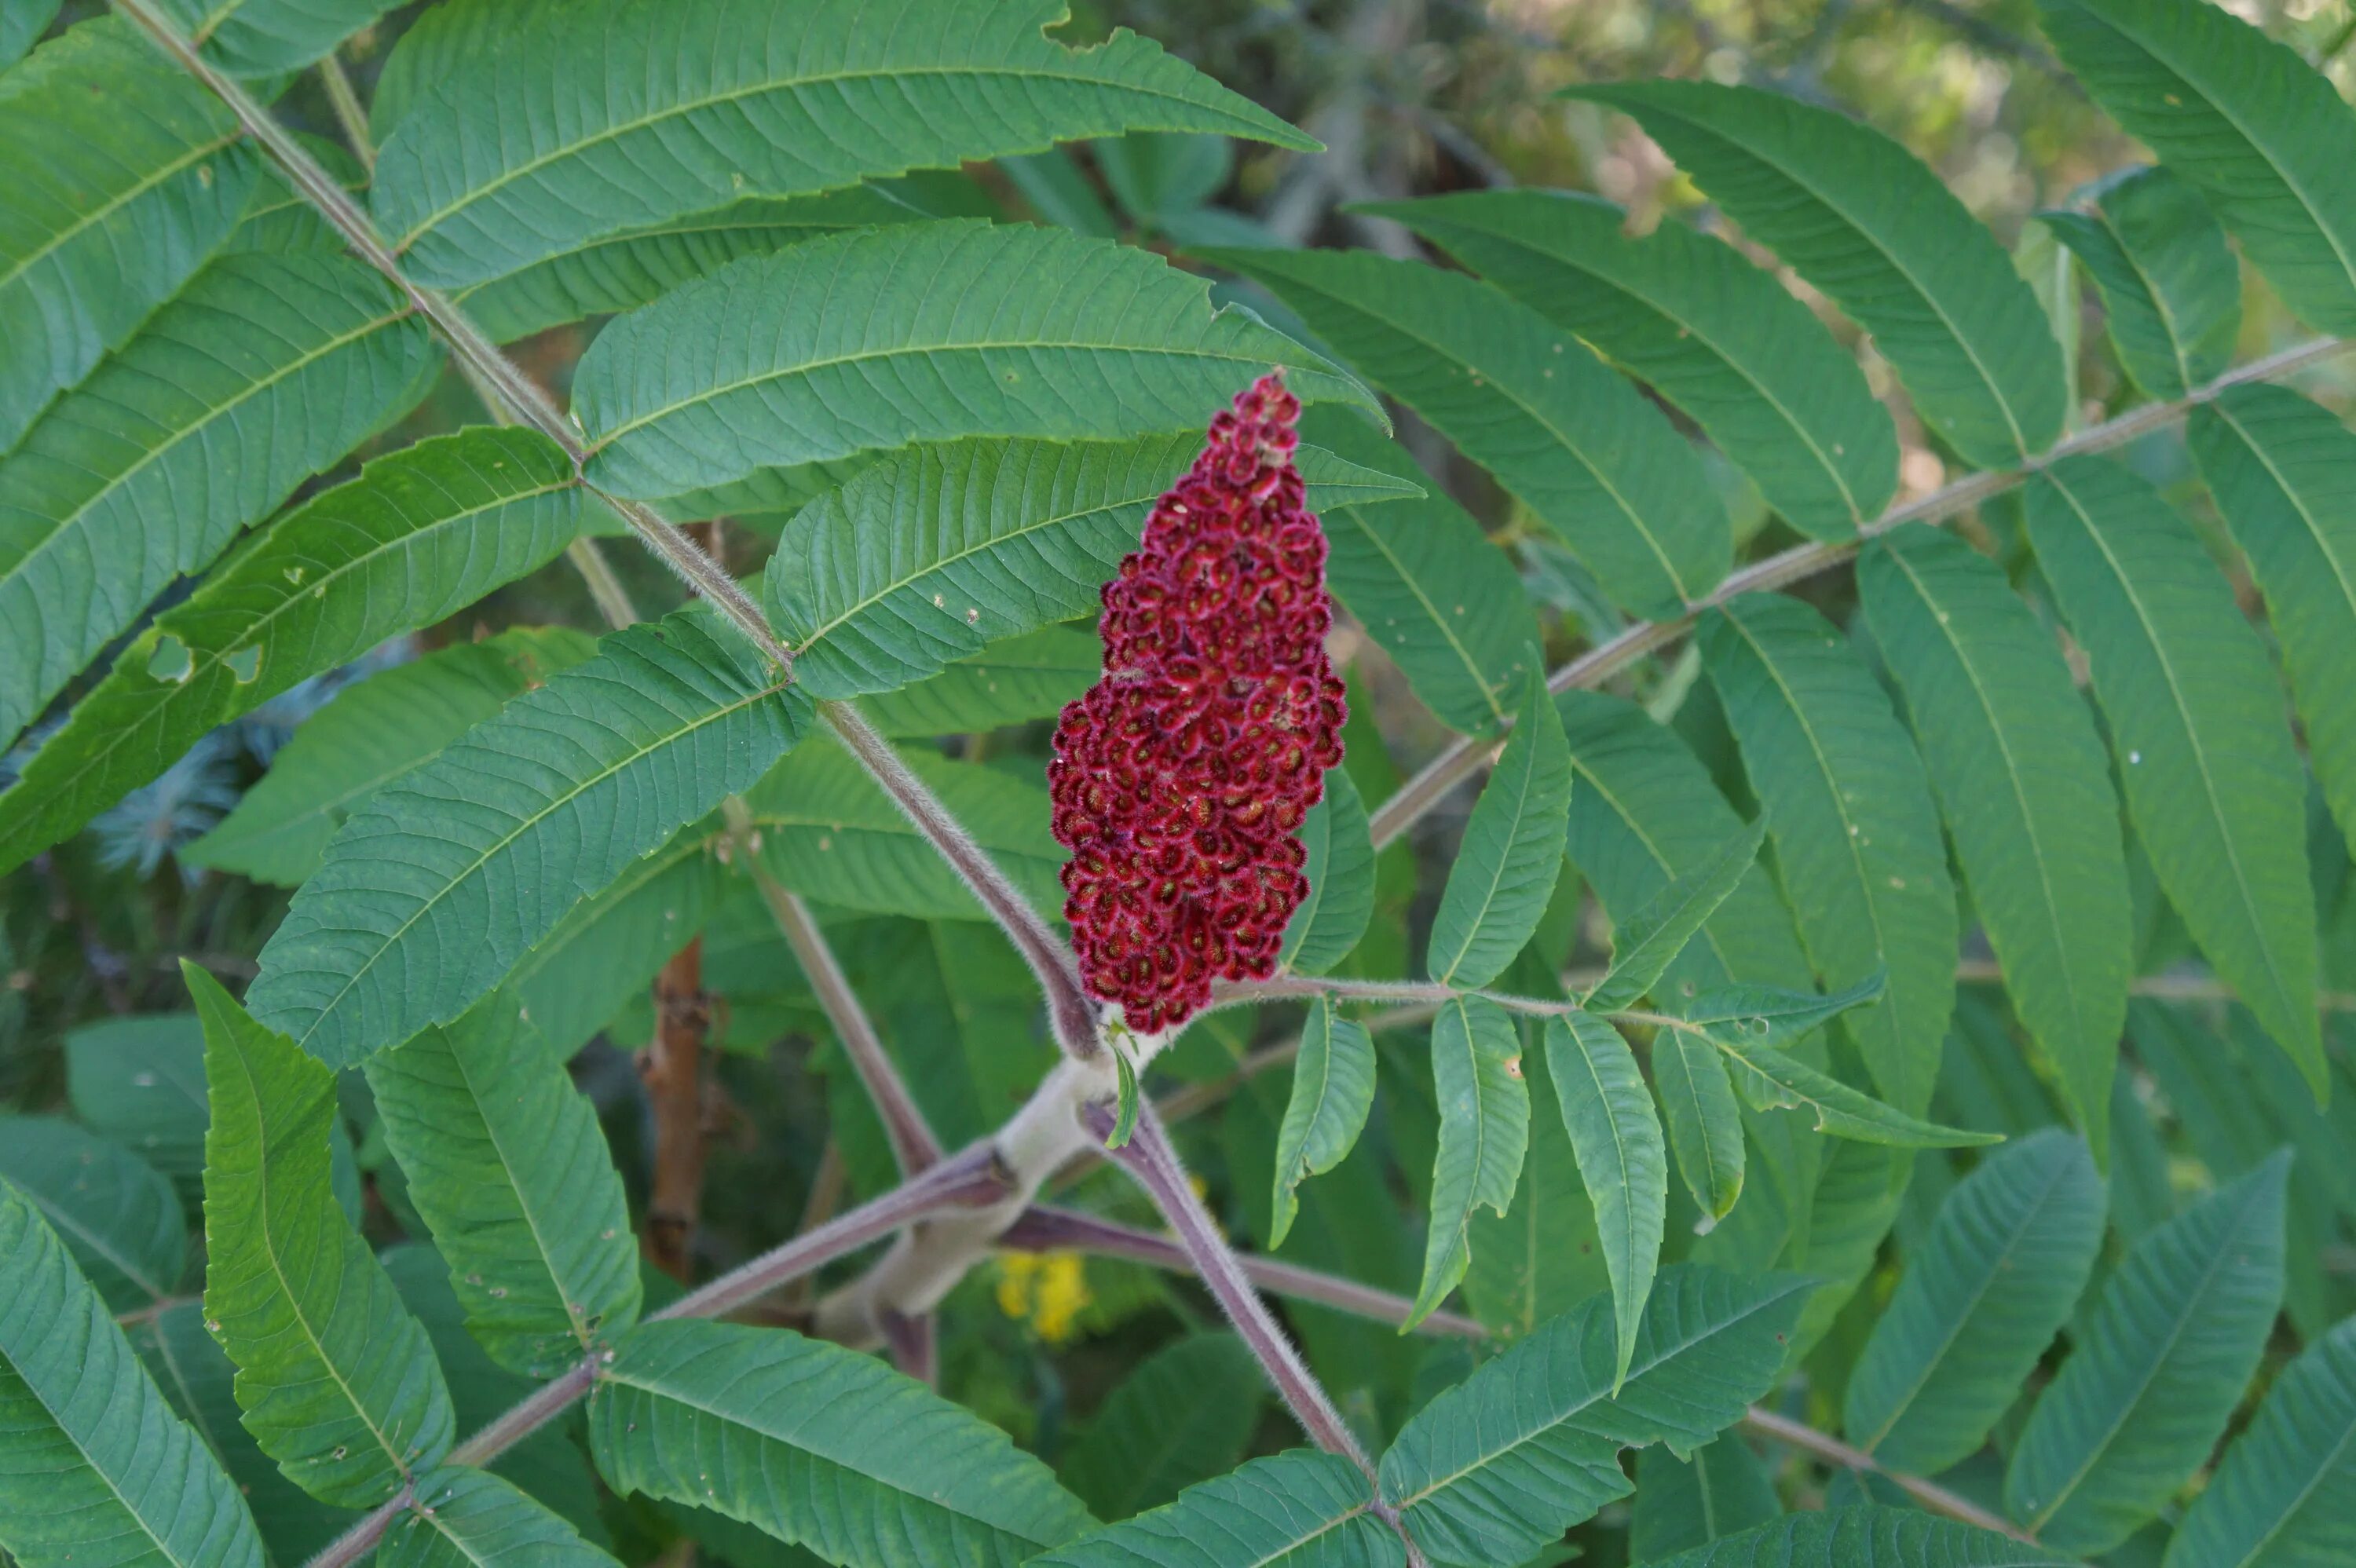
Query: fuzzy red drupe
[{"x": 1180, "y": 778}]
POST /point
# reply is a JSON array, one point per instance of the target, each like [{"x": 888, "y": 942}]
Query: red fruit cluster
[{"x": 1180, "y": 778}]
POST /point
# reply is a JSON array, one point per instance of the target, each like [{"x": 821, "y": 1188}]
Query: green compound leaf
[
  {"x": 881, "y": 339},
  {"x": 930, "y": 557},
  {"x": 261, "y": 37},
  {"x": 2171, "y": 284},
  {"x": 368, "y": 735},
  {"x": 419, "y": 536},
  {"x": 1859, "y": 218},
  {"x": 1484, "y": 1131},
  {"x": 2011, "y": 751},
  {"x": 1332, "y": 1090},
  {"x": 1704, "y": 1122},
  {"x": 1505, "y": 871},
  {"x": 1857, "y": 836},
  {"x": 140, "y": 1080},
  {"x": 1650, "y": 940},
  {"x": 1302, "y": 1509},
  {"x": 445, "y": 879},
  {"x": 2276, "y": 465},
  {"x": 612, "y": 115},
  {"x": 1500, "y": 1465},
  {"x": 829, "y": 831},
  {"x": 336, "y": 1380},
  {"x": 1184, "y": 1416},
  {"x": 1690, "y": 317},
  {"x": 2212, "y": 778},
  {"x": 2156, "y": 1370},
  {"x": 2261, "y": 133},
  {"x": 1772, "y": 1078},
  {"x": 1685, "y": 1503},
  {"x": 95, "y": 1468},
  {"x": 609, "y": 950},
  {"x": 508, "y": 1168},
  {"x": 2281, "y": 1495},
  {"x": 1529, "y": 402},
  {"x": 1978, "y": 1303},
  {"x": 820, "y": 1447},
  {"x": 116, "y": 1213},
  {"x": 263, "y": 371},
  {"x": 1623, "y": 1161},
  {"x": 465, "y": 1518},
  {"x": 1012, "y": 681},
  {"x": 1341, "y": 871},
  {"x": 1868, "y": 1536}
]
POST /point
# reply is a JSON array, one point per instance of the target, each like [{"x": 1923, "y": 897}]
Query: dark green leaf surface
[
  {"x": 1869, "y": 1537},
  {"x": 446, "y": 878},
  {"x": 95, "y": 1468},
  {"x": 1624, "y": 1161},
  {"x": 124, "y": 177},
  {"x": 336, "y": 1379},
  {"x": 1856, "y": 216},
  {"x": 1711, "y": 333},
  {"x": 1341, "y": 871},
  {"x": 418, "y": 537},
  {"x": 820, "y": 1447},
  {"x": 1512, "y": 851},
  {"x": 1012, "y": 681},
  {"x": 1978, "y": 1303},
  {"x": 140, "y": 1081},
  {"x": 1705, "y": 1124},
  {"x": 612, "y": 115},
  {"x": 2281, "y": 1496},
  {"x": 2156, "y": 1371},
  {"x": 263, "y": 371},
  {"x": 1302, "y": 1509},
  {"x": 1332, "y": 1090},
  {"x": 1484, "y": 1131},
  {"x": 1856, "y": 837},
  {"x": 1527, "y": 401},
  {"x": 116, "y": 1213},
  {"x": 608, "y": 949},
  {"x": 2265, "y": 137},
  {"x": 1685, "y": 1503},
  {"x": 1182, "y": 1417},
  {"x": 2212, "y": 781},
  {"x": 465, "y": 1518},
  {"x": 259, "y": 37},
  {"x": 2021, "y": 781},
  {"x": 2171, "y": 286},
  {"x": 22, "y": 22},
  {"x": 508, "y": 1167},
  {"x": 1540, "y": 1257},
  {"x": 1644, "y": 946},
  {"x": 876, "y": 340},
  {"x": 1499, "y": 1466}
]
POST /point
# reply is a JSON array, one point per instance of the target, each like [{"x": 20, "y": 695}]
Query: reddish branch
[{"x": 671, "y": 1066}]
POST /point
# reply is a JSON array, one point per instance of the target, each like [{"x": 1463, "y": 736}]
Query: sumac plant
[{"x": 1196, "y": 1005}]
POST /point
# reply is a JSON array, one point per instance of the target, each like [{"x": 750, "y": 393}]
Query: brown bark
[{"x": 671, "y": 1066}]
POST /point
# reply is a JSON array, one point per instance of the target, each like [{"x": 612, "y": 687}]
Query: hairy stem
[
  {"x": 1764, "y": 1423},
  {"x": 1465, "y": 756},
  {"x": 349, "y": 113}
]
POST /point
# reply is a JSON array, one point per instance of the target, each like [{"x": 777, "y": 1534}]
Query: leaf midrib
[
  {"x": 1414, "y": 585},
  {"x": 105, "y": 209}
]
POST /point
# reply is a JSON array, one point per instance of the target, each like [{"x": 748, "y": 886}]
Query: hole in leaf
[
  {"x": 171, "y": 660},
  {"x": 245, "y": 663}
]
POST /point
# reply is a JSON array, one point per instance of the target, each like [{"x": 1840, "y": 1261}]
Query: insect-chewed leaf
[
  {"x": 1868, "y": 1536},
  {"x": 927, "y": 557},
  {"x": 2021, "y": 777},
  {"x": 1529, "y": 402},
  {"x": 2213, "y": 780},
  {"x": 465, "y": 1518},
  {"x": 2157, "y": 1372},
  {"x": 1687, "y": 314},
  {"x": 1012, "y": 681},
  {"x": 1683, "y": 1503},
  {"x": 827, "y": 830},
  {"x": 509, "y": 1169},
  {"x": 437, "y": 886},
  {"x": 1512, "y": 851},
  {"x": 265, "y": 371},
  {"x": 2279, "y": 468},
  {"x": 124, "y": 175},
  {"x": 1341, "y": 871},
  {"x": 2171, "y": 286},
  {"x": 1332, "y": 1090},
  {"x": 2281, "y": 1495},
  {"x": 2263, "y": 134},
  {"x": 1528, "y": 1445},
  {"x": 259, "y": 37},
  {"x": 1648, "y": 942},
  {"x": 1978, "y": 1303},
  {"x": 368, "y": 735},
  {"x": 1442, "y": 602},
  {"x": 1857, "y": 836},
  {"x": 876, "y": 340},
  {"x": 419, "y": 536},
  {"x": 95, "y": 1468},
  {"x": 336, "y": 1380},
  {"x": 116, "y": 1212},
  {"x": 1484, "y": 1131},
  {"x": 820, "y": 1447},
  {"x": 617, "y": 114},
  {"x": 1302, "y": 1509},
  {"x": 1770, "y": 1079},
  {"x": 1182, "y": 1417},
  {"x": 1622, "y": 1161},
  {"x": 1858, "y": 217}
]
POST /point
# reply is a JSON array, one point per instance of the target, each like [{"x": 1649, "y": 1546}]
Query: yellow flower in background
[{"x": 1047, "y": 1290}]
